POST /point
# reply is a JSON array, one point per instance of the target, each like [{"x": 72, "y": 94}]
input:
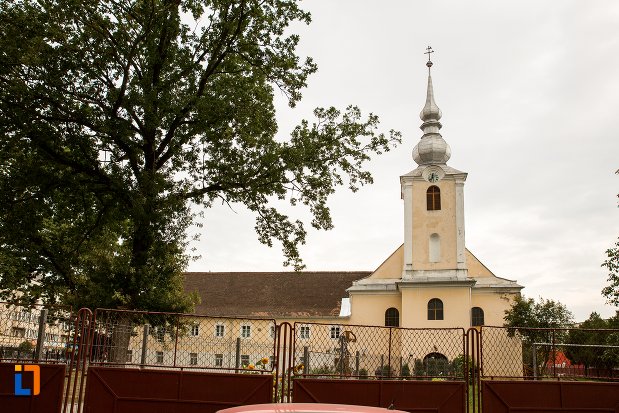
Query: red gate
[
  {"x": 549, "y": 396},
  {"x": 51, "y": 385},
  {"x": 117, "y": 390},
  {"x": 412, "y": 396}
]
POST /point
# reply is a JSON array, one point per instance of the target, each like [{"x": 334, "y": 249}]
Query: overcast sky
[{"x": 529, "y": 92}]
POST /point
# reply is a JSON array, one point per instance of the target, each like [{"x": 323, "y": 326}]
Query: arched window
[
  {"x": 435, "y": 309},
  {"x": 433, "y": 196},
  {"x": 392, "y": 317},
  {"x": 435, "y": 364},
  {"x": 477, "y": 317},
  {"x": 435, "y": 248}
]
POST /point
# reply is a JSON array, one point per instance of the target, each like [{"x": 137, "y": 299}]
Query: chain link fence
[
  {"x": 338, "y": 351},
  {"x": 170, "y": 340},
  {"x": 549, "y": 353},
  {"x": 35, "y": 333}
]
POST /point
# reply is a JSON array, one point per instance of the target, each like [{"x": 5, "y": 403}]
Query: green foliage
[
  {"x": 363, "y": 373},
  {"x": 406, "y": 370},
  {"x": 526, "y": 312},
  {"x": 118, "y": 116},
  {"x": 324, "y": 370},
  {"x": 537, "y": 322},
  {"x": 585, "y": 334},
  {"x": 611, "y": 291},
  {"x": 25, "y": 346},
  {"x": 459, "y": 369}
]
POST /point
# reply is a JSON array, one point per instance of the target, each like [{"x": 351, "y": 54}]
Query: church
[{"x": 430, "y": 281}]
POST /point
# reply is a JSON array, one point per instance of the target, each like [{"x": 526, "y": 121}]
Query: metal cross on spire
[{"x": 428, "y": 52}]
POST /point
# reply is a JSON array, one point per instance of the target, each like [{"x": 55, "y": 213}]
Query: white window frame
[
  {"x": 159, "y": 356},
  {"x": 219, "y": 360},
  {"x": 193, "y": 359},
  {"x": 304, "y": 332},
  {"x": 219, "y": 334},
  {"x": 246, "y": 331},
  {"x": 195, "y": 329},
  {"x": 335, "y": 332},
  {"x": 244, "y": 360}
]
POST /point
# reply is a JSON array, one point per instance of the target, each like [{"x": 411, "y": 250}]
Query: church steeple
[{"x": 432, "y": 149}]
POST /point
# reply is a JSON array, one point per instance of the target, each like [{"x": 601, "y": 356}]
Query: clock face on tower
[{"x": 433, "y": 177}]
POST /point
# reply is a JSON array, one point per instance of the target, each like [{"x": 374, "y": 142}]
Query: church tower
[
  {"x": 432, "y": 279},
  {"x": 433, "y": 197}
]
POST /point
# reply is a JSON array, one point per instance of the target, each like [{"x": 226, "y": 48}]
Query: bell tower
[{"x": 433, "y": 195}]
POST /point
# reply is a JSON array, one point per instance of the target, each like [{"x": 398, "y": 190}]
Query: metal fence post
[
  {"x": 41, "y": 336},
  {"x": 534, "y": 362},
  {"x": 389, "y": 355},
  {"x": 306, "y": 360},
  {"x": 357, "y": 363},
  {"x": 144, "y": 344},
  {"x": 237, "y": 362}
]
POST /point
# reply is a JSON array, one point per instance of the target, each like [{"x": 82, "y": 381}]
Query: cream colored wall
[
  {"x": 392, "y": 266},
  {"x": 442, "y": 222},
  {"x": 456, "y": 301},
  {"x": 475, "y": 267},
  {"x": 369, "y": 309},
  {"x": 494, "y": 305}
]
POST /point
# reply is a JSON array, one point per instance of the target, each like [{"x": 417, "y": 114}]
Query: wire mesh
[
  {"x": 337, "y": 351},
  {"x": 35, "y": 332},
  {"x": 170, "y": 340},
  {"x": 532, "y": 353}
]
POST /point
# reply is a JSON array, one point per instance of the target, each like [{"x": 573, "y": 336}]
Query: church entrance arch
[{"x": 436, "y": 365}]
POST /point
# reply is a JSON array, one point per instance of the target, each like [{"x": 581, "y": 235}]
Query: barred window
[
  {"x": 435, "y": 309},
  {"x": 477, "y": 317},
  {"x": 304, "y": 332},
  {"x": 335, "y": 332},
  {"x": 219, "y": 360},
  {"x": 433, "y": 197},
  {"x": 392, "y": 317},
  {"x": 244, "y": 360},
  {"x": 193, "y": 359},
  {"x": 160, "y": 334},
  {"x": 159, "y": 355}
]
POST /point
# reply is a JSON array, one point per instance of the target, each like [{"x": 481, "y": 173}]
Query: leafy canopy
[
  {"x": 611, "y": 291},
  {"x": 526, "y": 312},
  {"x": 595, "y": 343},
  {"x": 117, "y": 116}
]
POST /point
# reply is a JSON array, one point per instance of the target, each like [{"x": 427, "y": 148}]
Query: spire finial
[
  {"x": 428, "y": 52},
  {"x": 432, "y": 149}
]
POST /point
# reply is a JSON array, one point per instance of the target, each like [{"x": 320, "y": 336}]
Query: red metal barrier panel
[
  {"x": 549, "y": 396},
  {"x": 51, "y": 385},
  {"x": 409, "y": 395},
  {"x": 124, "y": 390}
]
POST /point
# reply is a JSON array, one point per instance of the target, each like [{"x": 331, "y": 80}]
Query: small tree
[{"x": 537, "y": 323}]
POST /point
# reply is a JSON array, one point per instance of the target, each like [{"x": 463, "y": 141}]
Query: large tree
[{"x": 117, "y": 116}]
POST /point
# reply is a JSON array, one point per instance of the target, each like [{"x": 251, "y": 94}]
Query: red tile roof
[{"x": 271, "y": 294}]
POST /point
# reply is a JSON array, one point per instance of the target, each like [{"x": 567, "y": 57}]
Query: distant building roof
[{"x": 271, "y": 294}]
